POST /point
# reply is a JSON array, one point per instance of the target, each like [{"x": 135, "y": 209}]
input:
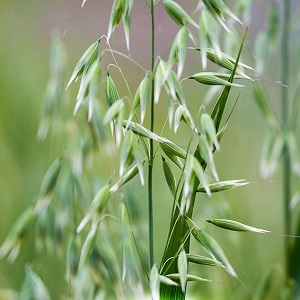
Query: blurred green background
[{"x": 26, "y": 28}]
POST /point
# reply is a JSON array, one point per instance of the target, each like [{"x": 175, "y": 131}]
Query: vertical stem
[
  {"x": 150, "y": 166},
  {"x": 285, "y": 117}
]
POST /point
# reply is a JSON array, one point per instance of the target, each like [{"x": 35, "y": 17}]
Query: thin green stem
[
  {"x": 110, "y": 50},
  {"x": 151, "y": 160},
  {"x": 285, "y": 124}
]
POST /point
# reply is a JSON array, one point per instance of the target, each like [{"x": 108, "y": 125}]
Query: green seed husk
[
  {"x": 110, "y": 91},
  {"x": 202, "y": 260},
  {"x": 87, "y": 58},
  {"x": 223, "y": 185},
  {"x": 235, "y": 226},
  {"x": 88, "y": 246},
  {"x": 177, "y": 13},
  {"x": 189, "y": 277},
  {"x": 170, "y": 178},
  {"x": 211, "y": 78}
]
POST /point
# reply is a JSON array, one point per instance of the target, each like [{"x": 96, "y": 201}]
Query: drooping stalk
[
  {"x": 151, "y": 160},
  {"x": 285, "y": 117}
]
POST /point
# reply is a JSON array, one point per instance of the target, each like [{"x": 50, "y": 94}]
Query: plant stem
[
  {"x": 285, "y": 117},
  {"x": 151, "y": 160}
]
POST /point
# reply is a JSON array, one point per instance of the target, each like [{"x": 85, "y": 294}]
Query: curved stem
[
  {"x": 125, "y": 56},
  {"x": 151, "y": 160}
]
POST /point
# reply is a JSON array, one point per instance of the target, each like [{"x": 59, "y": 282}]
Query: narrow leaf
[{"x": 219, "y": 107}]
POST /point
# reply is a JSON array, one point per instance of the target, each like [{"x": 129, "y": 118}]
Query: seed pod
[
  {"x": 160, "y": 78},
  {"x": 93, "y": 92},
  {"x": 177, "y": 13},
  {"x": 225, "y": 61},
  {"x": 144, "y": 96},
  {"x": 207, "y": 35},
  {"x": 88, "y": 246},
  {"x": 202, "y": 260},
  {"x": 182, "y": 113},
  {"x": 154, "y": 283},
  {"x": 170, "y": 178},
  {"x": 223, "y": 186},
  {"x": 72, "y": 256},
  {"x": 182, "y": 269},
  {"x": 210, "y": 78},
  {"x": 50, "y": 178},
  {"x": 235, "y": 226},
  {"x": 178, "y": 49},
  {"x": 126, "y": 20},
  {"x": 176, "y": 276},
  {"x": 166, "y": 280},
  {"x": 113, "y": 111},
  {"x": 126, "y": 150},
  {"x": 217, "y": 8},
  {"x": 173, "y": 149},
  {"x": 33, "y": 286},
  {"x": 140, "y": 130},
  {"x": 99, "y": 202},
  {"x": 17, "y": 234},
  {"x": 200, "y": 174},
  {"x": 206, "y": 152},
  {"x": 124, "y": 179},
  {"x": 110, "y": 91},
  {"x": 177, "y": 86},
  {"x": 209, "y": 130},
  {"x": 87, "y": 58},
  {"x": 115, "y": 16}
]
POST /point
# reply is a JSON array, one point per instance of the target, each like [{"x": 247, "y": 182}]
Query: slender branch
[
  {"x": 110, "y": 50},
  {"x": 285, "y": 119},
  {"x": 150, "y": 166}
]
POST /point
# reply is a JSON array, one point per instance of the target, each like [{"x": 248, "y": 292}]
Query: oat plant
[{"x": 86, "y": 209}]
